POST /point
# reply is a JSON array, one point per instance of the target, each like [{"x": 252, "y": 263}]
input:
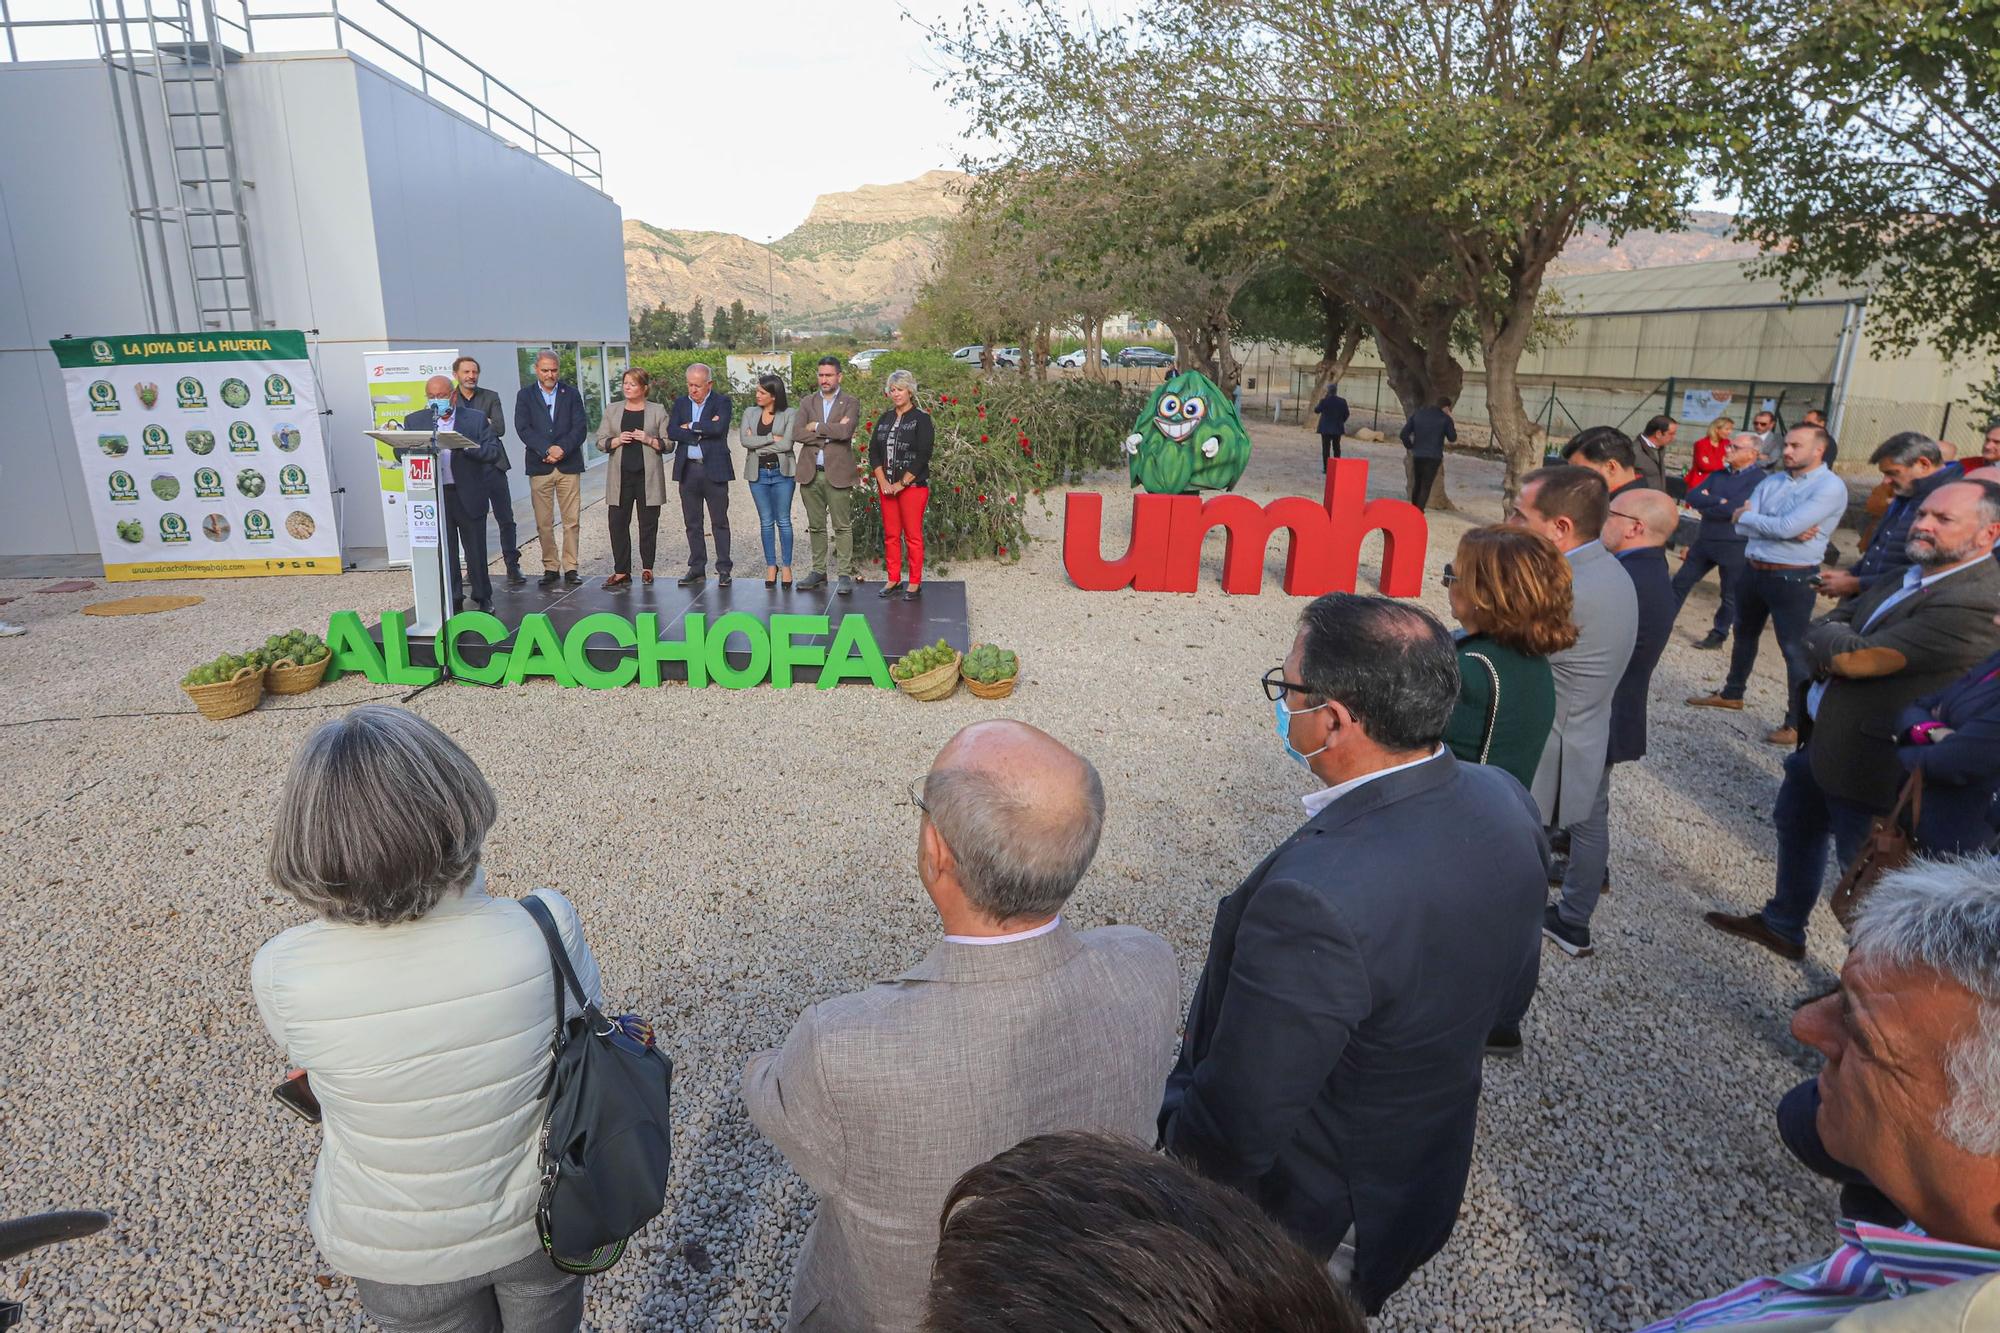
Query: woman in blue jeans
[{"x": 765, "y": 434}]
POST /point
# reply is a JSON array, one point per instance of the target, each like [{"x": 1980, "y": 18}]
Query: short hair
[
  {"x": 706, "y": 374},
  {"x": 1989, "y": 496},
  {"x": 381, "y": 815},
  {"x": 775, "y": 386},
  {"x": 902, "y": 379},
  {"x": 1443, "y": 401},
  {"x": 1520, "y": 587},
  {"x": 1906, "y": 447},
  {"x": 1389, "y": 663},
  {"x": 1816, "y": 412},
  {"x": 1085, "y": 1233},
  {"x": 1571, "y": 492},
  {"x": 1021, "y": 849},
  {"x": 1819, "y": 433},
  {"x": 1602, "y": 444},
  {"x": 1746, "y": 440},
  {"x": 546, "y": 355},
  {"x": 833, "y": 361},
  {"x": 1943, "y": 915},
  {"x": 639, "y": 373},
  {"x": 462, "y": 360},
  {"x": 1657, "y": 423}
]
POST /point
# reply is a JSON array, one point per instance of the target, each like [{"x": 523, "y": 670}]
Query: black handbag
[{"x": 606, "y": 1142}]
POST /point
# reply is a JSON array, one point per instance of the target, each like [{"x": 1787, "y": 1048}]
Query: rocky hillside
[
  {"x": 855, "y": 260},
  {"x": 1707, "y": 237}
]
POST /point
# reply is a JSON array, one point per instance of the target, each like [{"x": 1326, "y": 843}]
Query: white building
[{"x": 312, "y": 189}]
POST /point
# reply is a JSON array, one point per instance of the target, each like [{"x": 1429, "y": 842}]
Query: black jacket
[
  {"x": 913, "y": 442},
  {"x": 468, "y": 466},
  {"x": 1332, "y": 411},
  {"x": 1426, "y": 431},
  {"x": 539, "y": 433},
  {"x": 1331, "y": 1063},
  {"x": 1657, "y": 606},
  {"x": 487, "y": 404}
]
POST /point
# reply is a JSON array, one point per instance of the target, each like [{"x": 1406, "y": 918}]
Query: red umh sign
[{"x": 1324, "y": 553}]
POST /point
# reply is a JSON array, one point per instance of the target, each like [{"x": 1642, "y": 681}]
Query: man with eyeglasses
[
  {"x": 1331, "y": 1063},
  {"x": 1770, "y": 441}
]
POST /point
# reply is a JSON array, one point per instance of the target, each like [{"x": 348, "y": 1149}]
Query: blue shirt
[
  {"x": 694, "y": 415},
  {"x": 549, "y": 400},
  {"x": 1785, "y": 505},
  {"x": 445, "y": 423}
]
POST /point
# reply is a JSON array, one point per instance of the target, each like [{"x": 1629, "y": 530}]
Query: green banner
[{"x": 139, "y": 349}]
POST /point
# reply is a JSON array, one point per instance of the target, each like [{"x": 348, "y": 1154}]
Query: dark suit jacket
[
  {"x": 1426, "y": 431},
  {"x": 1332, "y": 411},
  {"x": 539, "y": 433},
  {"x": 1962, "y": 771},
  {"x": 1717, "y": 499},
  {"x": 1657, "y": 606},
  {"x": 711, "y": 433},
  {"x": 1922, "y": 644},
  {"x": 468, "y": 466},
  {"x": 487, "y": 404},
  {"x": 1331, "y": 1063},
  {"x": 1650, "y": 462}
]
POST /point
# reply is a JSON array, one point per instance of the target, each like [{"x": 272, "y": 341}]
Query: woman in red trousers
[{"x": 900, "y": 452}]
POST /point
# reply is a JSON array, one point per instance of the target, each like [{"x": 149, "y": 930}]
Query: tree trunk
[{"x": 1513, "y": 429}]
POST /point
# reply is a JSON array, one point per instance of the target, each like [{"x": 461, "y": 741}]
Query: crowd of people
[
  {"x": 1025, "y": 1131},
  {"x": 807, "y": 451}
]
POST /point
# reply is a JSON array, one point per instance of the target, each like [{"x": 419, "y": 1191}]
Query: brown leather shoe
[
  {"x": 1750, "y": 926},
  {"x": 1715, "y": 701},
  {"x": 1784, "y": 736}
]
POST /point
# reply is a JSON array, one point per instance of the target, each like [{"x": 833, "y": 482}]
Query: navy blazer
[
  {"x": 1332, "y": 411},
  {"x": 1717, "y": 499},
  {"x": 1332, "y": 1058},
  {"x": 468, "y": 466},
  {"x": 540, "y": 432},
  {"x": 1885, "y": 556},
  {"x": 711, "y": 433},
  {"x": 1962, "y": 771},
  {"x": 1657, "y": 606},
  {"x": 1426, "y": 431}
]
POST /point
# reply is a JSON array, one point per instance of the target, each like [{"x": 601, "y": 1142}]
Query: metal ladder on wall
[{"x": 201, "y": 201}]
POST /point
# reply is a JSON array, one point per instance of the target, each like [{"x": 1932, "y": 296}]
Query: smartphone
[{"x": 297, "y": 1096}]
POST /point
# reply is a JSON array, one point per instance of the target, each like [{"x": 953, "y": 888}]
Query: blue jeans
[
  {"x": 1783, "y": 599},
  {"x": 1805, "y": 816},
  {"x": 773, "y": 494}
]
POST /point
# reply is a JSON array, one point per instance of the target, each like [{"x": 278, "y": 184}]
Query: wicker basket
[
  {"x": 229, "y": 698},
  {"x": 935, "y": 684},
  {"x": 998, "y": 689},
  {"x": 285, "y": 676}
]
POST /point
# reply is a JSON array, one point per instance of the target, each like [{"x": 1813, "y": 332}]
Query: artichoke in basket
[
  {"x": 919, "y": 660},
  {"x": 988, "y": 663}
]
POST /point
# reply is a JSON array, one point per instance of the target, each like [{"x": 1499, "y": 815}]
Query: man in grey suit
[
  {"x": 1568, "y": 505},
  {"x": 823, "y": 430},
  {"x": 1012, "y": 1025}
]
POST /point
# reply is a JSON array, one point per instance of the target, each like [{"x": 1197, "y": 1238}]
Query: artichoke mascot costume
[{"x": 1188, "y": 438}]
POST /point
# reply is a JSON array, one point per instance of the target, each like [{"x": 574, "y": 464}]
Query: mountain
[
  {"x": 858, "y": 257},
  {"x": 856, "y": 260}
]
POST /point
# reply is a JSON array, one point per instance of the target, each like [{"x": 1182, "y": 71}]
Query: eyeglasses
[
  {"x": 1629, "y": 518},
  {"x": 1447, "y": 576},
  {"x": 1275, "y": 684},
  {"x": 916, "y": 791}
]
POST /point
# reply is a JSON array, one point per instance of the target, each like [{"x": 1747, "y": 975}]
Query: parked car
[
  {"x": 969, "y": 355},
  {"x": 1073, "y": 360},
  {"x": 1143, "y": 356},
  {"x": 1007, "y": 358},
  {"x": 863, "y": 360}
]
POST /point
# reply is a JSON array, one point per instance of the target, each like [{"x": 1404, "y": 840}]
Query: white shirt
[
  {"x": 1914, "y": 578},
  {"x": 694, "y": 415},
  {"x": 1317, "y": 801},
  {"x": 983, "y": 940}
]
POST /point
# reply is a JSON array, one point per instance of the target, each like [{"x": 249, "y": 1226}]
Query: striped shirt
[{"x": 1872, "y": 1264}]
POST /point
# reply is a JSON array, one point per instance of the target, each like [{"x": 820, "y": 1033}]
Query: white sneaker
[{"x": 8, "y": 629}]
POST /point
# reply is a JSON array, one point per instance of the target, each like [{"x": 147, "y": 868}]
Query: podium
[{"x": 433, "y": 568}]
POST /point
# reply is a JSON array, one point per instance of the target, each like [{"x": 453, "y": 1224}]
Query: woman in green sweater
[{"x": 1510, "y": 589}]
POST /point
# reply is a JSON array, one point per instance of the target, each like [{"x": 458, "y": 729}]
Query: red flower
[
  {"x": 982, "y": 411},
  {"x": 1024, "y": 441},
  {"x": 1003, "y": 550},
  {"x": 954, "y": 490},
  {"x": 982, "y": 499},
  {"x": 1013, "y": 421},
  {"x": 982, "y": 439},
  {"x": 1028, "y": 450}
]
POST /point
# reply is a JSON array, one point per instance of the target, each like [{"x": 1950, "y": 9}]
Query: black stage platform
[{"x": 898, "y": 626}]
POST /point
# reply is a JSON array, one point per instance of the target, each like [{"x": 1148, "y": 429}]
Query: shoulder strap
[
  {"x": 1492, "y": 704},
  {"x": 558, "y": 955}
]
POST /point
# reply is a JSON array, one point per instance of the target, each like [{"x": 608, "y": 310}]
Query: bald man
[
  {"x": 1012, "y": 1025},
  {"x": 1636, "y": 532},
  {"x": 462, "y": 487}
]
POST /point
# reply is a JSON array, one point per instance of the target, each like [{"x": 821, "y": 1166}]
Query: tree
[
  {"x": 697, "y": 327},
  {"x": 739, "y": 325},
  {"x": 657, "y": 330},
  {"x": 1869, "y": 152}
]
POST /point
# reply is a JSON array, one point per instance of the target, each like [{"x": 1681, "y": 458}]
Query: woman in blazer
[
  {"x": 1954, "y": 736},
  {"x": 418, "y": 1005},
  {"x": 768, "y": 458},
  {"x": 900, "y": 454},
  {"x": 633, "y": 432},
  {"x": 1510, "y": 589}
]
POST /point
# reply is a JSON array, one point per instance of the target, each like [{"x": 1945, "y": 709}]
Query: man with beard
[{"x": 1870, "y": 657}]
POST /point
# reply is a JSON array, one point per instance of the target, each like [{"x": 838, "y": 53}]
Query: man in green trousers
[{"x": 823, "y": 430}]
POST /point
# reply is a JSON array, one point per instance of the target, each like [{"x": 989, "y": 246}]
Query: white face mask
[{"x": 1284, "y": 717}]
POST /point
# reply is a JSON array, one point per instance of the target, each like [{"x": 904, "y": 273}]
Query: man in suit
[
  {"x": 698, "y": 426},
  {"x": 1912, "y": 465},
  {"x": 465, "y": 371},
  {"x": 461, "y": 475},
  {"x": 1870, "y": 657},
  {"x": 551, "y": 421},
  {"x": 823, "y": 428},
  {"x": 1569, "y": 505},
  {"x": 1635, "y": 531},
  {"x": 1606, "y": 451},
  {"x": 1717, "y": 544},
  {"x": 1786, "y": 523},
  {"x": 1332, "y": 411},
  {"x": 1331, "y": 1063},
  {"x": 1012, "y": 1025},
  {"x": 1424, "y": 435},
  {"x": 1649, "y": 451},
  {"x": 1770, "y": 441}
]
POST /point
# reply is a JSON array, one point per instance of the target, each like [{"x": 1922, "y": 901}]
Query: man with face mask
[
  {"x": 462, "y": 488},
  {"x": 1331, "y": 1063}
]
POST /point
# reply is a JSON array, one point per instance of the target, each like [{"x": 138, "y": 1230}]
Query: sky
[{"x": 841, "y": 92}]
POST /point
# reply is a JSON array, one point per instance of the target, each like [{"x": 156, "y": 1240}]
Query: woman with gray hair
[
  {"x": 900, "y": 452},
  {"x": 419, "y": 1006}
]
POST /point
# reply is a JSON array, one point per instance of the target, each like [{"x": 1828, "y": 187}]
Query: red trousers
[{"x": 903, "y": 528}]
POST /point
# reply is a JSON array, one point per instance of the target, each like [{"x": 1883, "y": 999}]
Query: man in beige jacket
[
  {"x": 823, "y": 429},
  {"x": 1012, "y": 1025}
]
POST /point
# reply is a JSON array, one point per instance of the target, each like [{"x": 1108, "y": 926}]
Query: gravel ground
[{"x": 737, "y": 855}]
